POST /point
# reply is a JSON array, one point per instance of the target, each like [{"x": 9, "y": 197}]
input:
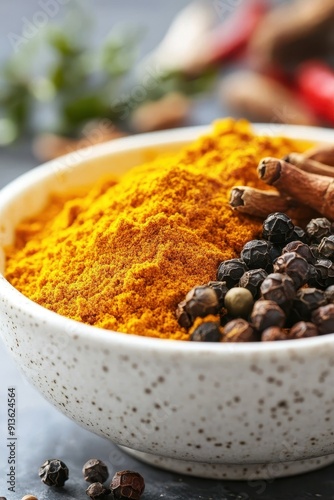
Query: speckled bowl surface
[{"x": 238, "y": 411}]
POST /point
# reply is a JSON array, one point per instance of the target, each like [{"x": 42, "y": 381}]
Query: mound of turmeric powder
[{"x": 122, "y": 256}]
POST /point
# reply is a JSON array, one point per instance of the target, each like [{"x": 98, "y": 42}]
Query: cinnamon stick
[
  {"x": 309, "y": 165},
  {"x": 323, "y": 153},
  {"x": 252, "y": 201},
  {"x": 316, "y": 191}
]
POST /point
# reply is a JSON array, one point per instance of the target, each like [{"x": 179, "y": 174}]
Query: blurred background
[{"x": 77, "y": 72}]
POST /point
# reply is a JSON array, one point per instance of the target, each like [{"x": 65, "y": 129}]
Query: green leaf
[
  {"x": 62, "y": 43},
  {"x": 119, "y": 52},
  {"x": 84, "y": 108}
]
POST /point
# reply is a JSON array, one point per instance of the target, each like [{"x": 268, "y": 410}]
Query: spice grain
[
  {"x": 208, "y": 331},
  {"x": 95, "y": 471},
  {"x": 53, "y": 472},
  {"x": 127, "y": 484},
  {"x": 97, "y": 491}
]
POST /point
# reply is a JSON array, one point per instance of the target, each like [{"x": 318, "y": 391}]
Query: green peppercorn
[
  {"x": 239, "y": 302},
  {"x": 267, "y": 313},
  {"x": 201, "y": 301},
  {"x": 239, "y": 330},
  {"x": 207, "y": 332}
]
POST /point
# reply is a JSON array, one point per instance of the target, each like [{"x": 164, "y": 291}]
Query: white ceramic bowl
[{"x": 238, "y": 411}]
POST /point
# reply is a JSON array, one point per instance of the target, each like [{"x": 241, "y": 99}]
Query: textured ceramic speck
[{"x": 237, "y": 411}]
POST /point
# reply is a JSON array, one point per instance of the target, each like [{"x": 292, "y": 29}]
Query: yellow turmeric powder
[{"x": 122, "y": 256}]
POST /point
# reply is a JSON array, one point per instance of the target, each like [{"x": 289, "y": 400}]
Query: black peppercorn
[
  {"x": 267, "y": 313},
  {"x": 252, "y": 281},
  {"x": 302, "y": 249},
  {"x": 201, "y": 301},
  {"x": 225, "y": 317},
  {"x": 323, "y": 318},
  {"x": 298, "y": 312},
  {"x": 317, "y": 229},
  {"x": 277, "y": 228},
  {"x": 97, "y": 491},
  {"x": 95, "y": 471},
  {"x": 329, "y": 293},
  {"x": 314, "y": 247},
  {"x": 307, "y": 299},
  {"x": 325, "y": 273},
  {"x": 314, "y": 277},
  {"x": 275, "y": 251},
  {"x": 279, "y": 288},
  {"x": 274, "y": 333},
  {"x": 303, "y": 330},
  {"x": 221, "y": 289},
  {"x": 127, "y": 484},
  {"x": 256, "y": 254},
  {"x": 294, "y": 266},
  {"x": 53, "y": 472},
  {"x": 183, "y": 318},
  {"x": 312, "y": 298},
  {"x": 207, "y": 332},
  {"x": 231, "y": 271},
  {"x": 239, "y": 330},
  {"x": 326, "y": 247},
  {"x": 298, "y": 235},
  {"x": 239, "y": 302}
]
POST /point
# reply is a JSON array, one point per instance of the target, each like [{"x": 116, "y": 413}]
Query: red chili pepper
[
  {"x": 315, "y": 82},
  {"x": 231, "y": 37}
]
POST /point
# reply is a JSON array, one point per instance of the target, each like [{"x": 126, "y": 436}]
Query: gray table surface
[{"x": 42, "y": 431}]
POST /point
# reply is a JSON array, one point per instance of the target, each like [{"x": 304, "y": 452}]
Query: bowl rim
[{"x": 75, "y": 328}]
